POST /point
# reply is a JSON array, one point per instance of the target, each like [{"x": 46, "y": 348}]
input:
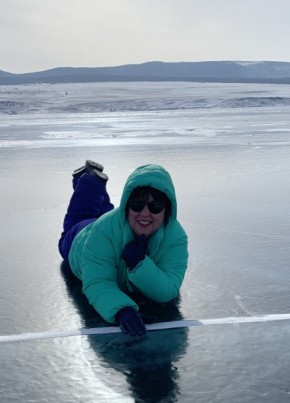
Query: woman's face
[{"x": 144, "y": 222}]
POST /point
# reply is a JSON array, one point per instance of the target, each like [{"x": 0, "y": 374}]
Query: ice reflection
[{"x": 148, "y": 363}]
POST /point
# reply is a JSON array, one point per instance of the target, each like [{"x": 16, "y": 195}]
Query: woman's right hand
[{"x": 131, "y": 322}]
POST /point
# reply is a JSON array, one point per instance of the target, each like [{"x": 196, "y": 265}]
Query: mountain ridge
[{"x": 204, "y": 71}]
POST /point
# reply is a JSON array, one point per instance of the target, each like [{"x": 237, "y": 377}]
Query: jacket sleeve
[
  {"x": 99, "y": 278},
  {"x": 161, "y": 280}
]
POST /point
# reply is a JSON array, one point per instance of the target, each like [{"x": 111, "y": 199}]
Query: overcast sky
[{"x": 38, "y": 35}]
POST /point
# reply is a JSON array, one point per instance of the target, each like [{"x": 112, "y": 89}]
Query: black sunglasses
[{"x": 154, "y": 206}]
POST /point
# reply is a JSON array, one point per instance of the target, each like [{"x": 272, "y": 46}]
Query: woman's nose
[{"x": 145, "y": 210}]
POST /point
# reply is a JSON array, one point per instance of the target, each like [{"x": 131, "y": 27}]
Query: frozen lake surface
[{"x": 227, "y": 149}]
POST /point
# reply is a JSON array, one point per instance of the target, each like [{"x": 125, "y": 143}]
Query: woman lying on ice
[{"x": 138, "y": 247}]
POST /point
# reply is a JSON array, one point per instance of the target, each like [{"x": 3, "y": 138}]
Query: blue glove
[
  {"x": 135, "y": 251},
  {"x": 130, "y": 321}
]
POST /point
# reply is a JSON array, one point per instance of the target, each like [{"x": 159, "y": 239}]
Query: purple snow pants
[{"x": 89, "y": 201}]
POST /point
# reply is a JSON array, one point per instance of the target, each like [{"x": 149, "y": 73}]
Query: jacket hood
[{"x": 150, "y": 175}]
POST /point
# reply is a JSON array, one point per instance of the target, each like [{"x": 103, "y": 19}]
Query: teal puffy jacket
[{"x": 95, "y": 255}]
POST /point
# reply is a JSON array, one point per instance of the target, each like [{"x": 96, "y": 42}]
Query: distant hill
[{"x": 210, "y": 71}]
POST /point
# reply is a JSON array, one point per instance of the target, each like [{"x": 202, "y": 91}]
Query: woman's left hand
[{"x": 135, "y": 251}]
